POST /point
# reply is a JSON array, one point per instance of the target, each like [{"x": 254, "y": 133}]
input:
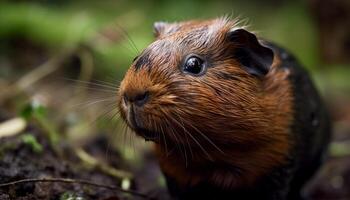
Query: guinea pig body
[{"x": 231, "y": 117}]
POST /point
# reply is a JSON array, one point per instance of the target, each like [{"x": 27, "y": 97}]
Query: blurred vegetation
[{"x": 58, "y": 25}]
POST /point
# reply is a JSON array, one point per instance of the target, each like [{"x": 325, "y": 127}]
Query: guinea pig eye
[{"x": 194, "y": 65}]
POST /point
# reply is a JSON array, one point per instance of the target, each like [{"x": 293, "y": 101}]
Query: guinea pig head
[{"x": 199, "y": 84}]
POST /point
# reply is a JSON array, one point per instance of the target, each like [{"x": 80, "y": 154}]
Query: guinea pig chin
[{"x": 135, "y": 119}]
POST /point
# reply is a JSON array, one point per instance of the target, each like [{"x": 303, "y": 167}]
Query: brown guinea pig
[{"x": 231, "y": 116}]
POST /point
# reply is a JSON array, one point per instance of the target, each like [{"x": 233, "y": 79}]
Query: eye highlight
[{"x": 194, "y": 65}]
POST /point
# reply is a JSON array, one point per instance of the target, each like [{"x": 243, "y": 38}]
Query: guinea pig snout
[
  {"x": 138, "y": 98},
  {"x": 134, "y": 101}
]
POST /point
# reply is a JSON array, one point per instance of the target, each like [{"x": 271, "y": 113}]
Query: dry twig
[{"x": 75, "y": 181}]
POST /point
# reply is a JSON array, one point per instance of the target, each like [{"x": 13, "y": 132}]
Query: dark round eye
[{"x": 194, "y": 65}]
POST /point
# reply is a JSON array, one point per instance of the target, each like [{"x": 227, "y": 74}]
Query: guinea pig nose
[{"x": 139, "y": 98}]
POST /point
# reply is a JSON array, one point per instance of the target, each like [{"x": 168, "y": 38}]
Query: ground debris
[{"x": 18, "y": 160}]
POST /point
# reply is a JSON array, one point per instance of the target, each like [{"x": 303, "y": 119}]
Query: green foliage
[
  {"x": 30, "y": 140},
  {"x": 35, "y": 110},
  {"x": 32, "y": 110},
  {"x": 70, "y": 196},
  {"x": 46, "y": 26}
]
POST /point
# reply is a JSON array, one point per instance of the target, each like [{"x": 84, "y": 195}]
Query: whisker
[
  {"x": 188, "y": 143},
  {"x": 164, "y": 139},
  {"x": 185, "y": 147},
  {"x": 197, "y": 142},
  {"x": 200, "y": 146},
  {"x": 116, "y": 85},
  {"x": 128, "y": 37},
  {"x": 206, "y": 138},
  {"x": 98, "y": 89},
  {"x": 104, "y": 112},
  {"x": 131, "y": 142},
  {"x": 113, "y": 135},
  {"x": 124, "y": 137},
  {"x": 92, "y": 83},
  {"x": 155, "y": 127},
  {"x": 85, "y": 104},
  {"x": 178, "y": 142}
]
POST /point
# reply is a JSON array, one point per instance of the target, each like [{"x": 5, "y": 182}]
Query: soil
[{"x": 18, "y": 160}]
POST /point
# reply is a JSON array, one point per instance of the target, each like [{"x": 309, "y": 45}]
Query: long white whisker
[
  {"x": 113, "y": 135},
  {"x": 83, "y": 105},
  {"x": 177, "y": 141},
  {"x": 206, "y": 138},
  {"x": 184, "y": 129},
  {"x": 164, "y": 139},
  {"x": 112, "y": 91},
  {"x": 92, "y": 83},
  {"x": 115, "y": 85},
  {"x": 197, "y": 142}
]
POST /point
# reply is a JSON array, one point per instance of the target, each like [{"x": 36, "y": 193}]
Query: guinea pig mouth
[
  {"x": 135, "y": 122},
  {"x": 147, "y": 135}
]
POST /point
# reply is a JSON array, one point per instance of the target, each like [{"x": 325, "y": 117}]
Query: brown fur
[{"x": 226, "y": 126}]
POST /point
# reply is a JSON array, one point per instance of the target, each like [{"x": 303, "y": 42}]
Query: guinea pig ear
[
  {"x": 159, "y": 28},
  {"x": 162, "y": 28},
  {"x": 255, "y": 57}
]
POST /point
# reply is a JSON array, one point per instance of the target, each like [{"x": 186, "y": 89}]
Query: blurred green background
[{"x": 58, "y": 25}]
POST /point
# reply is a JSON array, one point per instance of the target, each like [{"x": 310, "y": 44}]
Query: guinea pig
[{"x": 231, "y": 116}]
